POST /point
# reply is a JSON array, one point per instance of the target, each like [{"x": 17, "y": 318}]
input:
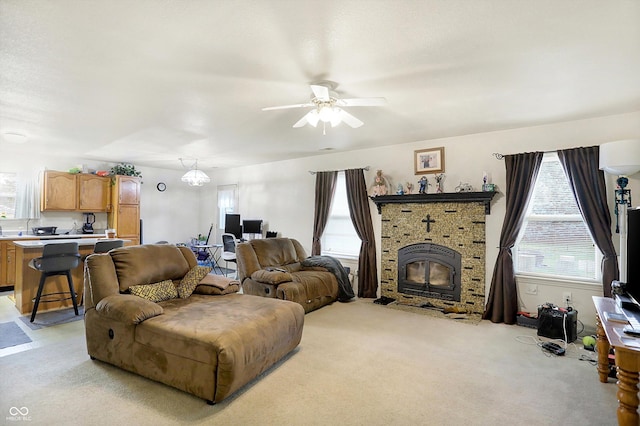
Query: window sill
[
  {"x": 341, "y": 256},
  {"x": 558, "y": 282}
]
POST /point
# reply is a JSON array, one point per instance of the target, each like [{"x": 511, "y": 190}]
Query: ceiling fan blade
[
  {"x": 350, "y": 119},
  {"x": 301, "y": 122},
  {"x": 362, "y": 102},
  {"x": 320, "y": 92},
  {"x": 308, "y": 104},
  {"x": 309, "y": 118}
]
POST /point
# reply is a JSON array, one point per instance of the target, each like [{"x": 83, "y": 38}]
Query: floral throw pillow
[
  {"x": 157, "y": 292},
  {"x": 191, "y": 280}
]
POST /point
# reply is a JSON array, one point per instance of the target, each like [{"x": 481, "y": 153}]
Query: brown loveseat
[
  {"x": 207, "y": 345},
  {"x": 272, "y": 268}
]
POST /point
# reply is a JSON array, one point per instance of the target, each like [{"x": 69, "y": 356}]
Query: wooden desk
[
  {"x": 627, "y": 360},
  {"x": 27, "y": 278}
]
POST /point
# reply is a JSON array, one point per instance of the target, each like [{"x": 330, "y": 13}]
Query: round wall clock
[{"x": 161, "y": 186}]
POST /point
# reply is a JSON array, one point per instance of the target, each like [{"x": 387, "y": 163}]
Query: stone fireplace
[{"x": 433, "y": 249}]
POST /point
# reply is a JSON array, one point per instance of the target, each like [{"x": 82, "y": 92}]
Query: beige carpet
[
  {"x": 462, "y": 317},
  {"x": 358, "y": 364}
]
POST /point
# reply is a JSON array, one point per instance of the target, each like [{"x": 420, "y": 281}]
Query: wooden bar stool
[{"x": 57, "y": 259}]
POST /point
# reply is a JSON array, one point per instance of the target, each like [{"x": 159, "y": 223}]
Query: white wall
[
  {"x": 282, "y": 193},
  {"x": 173, "y": 215}
]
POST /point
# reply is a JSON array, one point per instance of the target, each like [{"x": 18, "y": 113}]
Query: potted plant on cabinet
[{"x": 125, "y": 169}]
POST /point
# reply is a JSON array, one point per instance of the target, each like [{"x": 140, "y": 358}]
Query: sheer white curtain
[
  {"x": 227, "y": 202},
  {"x": 28, "y": 195}
]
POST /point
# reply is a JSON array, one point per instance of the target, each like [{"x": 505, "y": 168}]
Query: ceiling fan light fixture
[
  {"x": 326, "y": 113},
  {"x": 327, "y": 105}
]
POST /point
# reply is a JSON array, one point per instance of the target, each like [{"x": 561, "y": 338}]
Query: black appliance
[
  {"x": 44, "y": 230},
  {"x": 556, "y": 323},
  {"x": 633, "y": 252},
  {"x": 87, "y": 227},
  {"x": 252, "y": 226},
  {"x": 232, "y": 225},
  {"x": 627, "y": 294}
]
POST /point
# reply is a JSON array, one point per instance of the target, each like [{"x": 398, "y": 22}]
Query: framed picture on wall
[{"x": 429, "y": 161}]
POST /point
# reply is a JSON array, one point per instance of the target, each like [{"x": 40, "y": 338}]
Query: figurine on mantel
[
  {"x": 464, "y": 187},
  {"x": 486, "y": 186},
  {"x": 439, "y": 183},
  {"x": 424, "y": 183},
  {"x": 379, "y": 185},
  {"x": 400, "y": 190},
  {"x": 409, "y": 187}
]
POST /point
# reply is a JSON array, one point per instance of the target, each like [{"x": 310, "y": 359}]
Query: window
[
  {"x": 554, "y": 240},
  {"x": 227, "y": 202},
  {"x": 8, "y": 192},
  {"x": 340, "y": 238}
]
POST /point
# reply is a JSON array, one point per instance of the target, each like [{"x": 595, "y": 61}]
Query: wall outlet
[
  {"x": 531, "y": 289},
  {"x": 566, "y": 297}
]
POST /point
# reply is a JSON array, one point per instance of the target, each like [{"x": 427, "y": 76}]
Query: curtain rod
[
  {"x": 501, "y": 156},
  {"x": 313, "y": 173}
]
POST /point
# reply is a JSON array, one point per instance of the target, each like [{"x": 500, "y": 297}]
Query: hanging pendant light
[{"x": 195, "y": 177}]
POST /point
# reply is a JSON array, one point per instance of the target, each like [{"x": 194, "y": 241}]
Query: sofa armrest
[
  {"x": 271, "y": 277},
  {"x": 128, "y": 308}
]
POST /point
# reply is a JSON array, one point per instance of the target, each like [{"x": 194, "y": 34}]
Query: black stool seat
[
  {"x": 104, "y": 246},
  {"x": 57, "y": 259}
]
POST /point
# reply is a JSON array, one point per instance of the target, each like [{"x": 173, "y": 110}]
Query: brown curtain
[
  {"x": 522, "y": 170},
  {"x": 361, "y": 218},
  {"x": 325, "y": 188},
  {"x": 587, "y": 182}
]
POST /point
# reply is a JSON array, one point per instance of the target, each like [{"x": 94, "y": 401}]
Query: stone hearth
[{"x": 455, "y": 221}]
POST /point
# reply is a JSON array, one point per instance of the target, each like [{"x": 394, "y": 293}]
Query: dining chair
[{"x": 229, "y": 250}]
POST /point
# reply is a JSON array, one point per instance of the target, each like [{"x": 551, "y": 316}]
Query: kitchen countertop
[
  {"x": 41, "y": 243},
  {"x": 48, "y": 237}
]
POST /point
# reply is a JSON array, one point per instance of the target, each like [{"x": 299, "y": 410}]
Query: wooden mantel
[{"x": 443, "y": 197}]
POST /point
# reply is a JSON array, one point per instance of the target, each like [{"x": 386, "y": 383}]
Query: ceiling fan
[{"x": 327, "y": 107}]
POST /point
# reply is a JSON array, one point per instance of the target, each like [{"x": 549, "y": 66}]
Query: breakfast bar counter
[{"x": 27, "y": 278}]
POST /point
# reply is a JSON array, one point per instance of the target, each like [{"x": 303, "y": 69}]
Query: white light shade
[
  {"x": 326, "y": 113},
  {"x": 620, "y": 157},
  {"x": 196, "y": 177}
]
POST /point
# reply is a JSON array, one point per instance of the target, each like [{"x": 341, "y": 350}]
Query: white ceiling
[{"x": 150, "y": 81}]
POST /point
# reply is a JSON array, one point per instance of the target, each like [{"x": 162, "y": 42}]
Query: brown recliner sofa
[
  {"x": 207, "y": 345},
  {"x": 272, "y": 268}
]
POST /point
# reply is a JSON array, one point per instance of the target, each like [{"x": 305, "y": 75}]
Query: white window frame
[
  {"x": 530, "y": 217},
  {"x": 8, "y": 192}
]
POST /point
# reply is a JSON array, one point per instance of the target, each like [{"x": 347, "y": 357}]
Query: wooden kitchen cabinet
[
  {"x": 128, "y": 189},
  {"x": 59, "y": 191},
  {"x": 64, "y": 191},
  {"x": 7, "y": 264},
  {"x": 94, "y": 193},
  {"x": 124, "y": 216},
  {"x": 11, "y": 264}
]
